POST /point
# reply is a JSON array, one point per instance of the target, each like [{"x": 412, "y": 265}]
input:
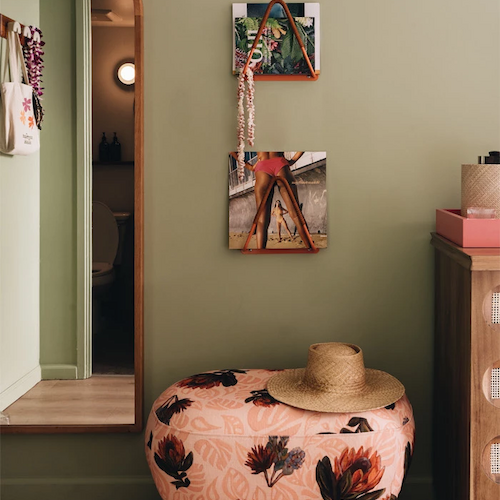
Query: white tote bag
[{"x": 19, "y": 134}]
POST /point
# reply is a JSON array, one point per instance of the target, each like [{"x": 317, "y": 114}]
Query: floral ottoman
[{"x": 221, "y": 436}]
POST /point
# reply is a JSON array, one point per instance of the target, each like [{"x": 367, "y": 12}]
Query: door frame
[{"x": 84, "y": 188}]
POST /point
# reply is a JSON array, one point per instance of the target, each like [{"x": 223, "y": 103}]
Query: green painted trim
[
  {"x": 59, "y": 372},
  {"x": 84, "y": 187}
]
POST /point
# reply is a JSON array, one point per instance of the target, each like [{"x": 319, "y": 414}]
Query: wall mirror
[{"x": 106, "y": 393}]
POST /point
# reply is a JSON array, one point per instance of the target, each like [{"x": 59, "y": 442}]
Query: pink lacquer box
[{"x": 467, "y": 233}]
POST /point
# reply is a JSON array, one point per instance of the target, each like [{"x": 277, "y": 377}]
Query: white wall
[{"x": 19, "y": 255}]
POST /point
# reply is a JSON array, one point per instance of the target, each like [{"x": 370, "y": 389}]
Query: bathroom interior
[{"x": 113, "y": 187}]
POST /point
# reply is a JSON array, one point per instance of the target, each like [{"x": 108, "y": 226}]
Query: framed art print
[
  {"x": 278, "y": 51},
  {"x": 280, "y": 204}
]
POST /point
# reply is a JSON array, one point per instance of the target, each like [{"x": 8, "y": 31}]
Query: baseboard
[
  {"x": 59, "y": 372},
  {"x": 133, "y": 488},
  {"x": 19, "y": 388},
  {"x": 105, "y": 488}
]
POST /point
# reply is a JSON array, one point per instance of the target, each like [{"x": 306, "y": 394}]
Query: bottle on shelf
[
  {"x": 115, "y": 150},
  {"x": 104, "y": 148}
]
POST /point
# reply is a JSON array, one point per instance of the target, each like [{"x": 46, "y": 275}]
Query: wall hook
[
  {"x": 27, "y": 32},
  {"x": 7, "y": 24},
  {"x": 15, "y": 27}
]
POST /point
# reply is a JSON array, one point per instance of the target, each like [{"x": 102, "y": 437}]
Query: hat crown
[{"x": 335, "y": 368}]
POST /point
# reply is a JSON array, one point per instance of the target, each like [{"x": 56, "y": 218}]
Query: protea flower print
[
  {"x": 275, "y": 453},
  {"x": 260, "y": 459},
  {"x": 23, "y": 117},
  {"x": 262, "y": 398},
  {"x": 171, "y": 458},
  {"x": 31, "y": 122},
  {"x": 27, "y": 104},
  {"x": 172, "y": 406},
  {"x": 359, "y": 422},
  {"x": 354, "y": 476},
  {"x": 209, "y": 380}
]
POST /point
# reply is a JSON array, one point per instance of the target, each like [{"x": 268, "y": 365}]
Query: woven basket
[{"x": 481, "y": 187}]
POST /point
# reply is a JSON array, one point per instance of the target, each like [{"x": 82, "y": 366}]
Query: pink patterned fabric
[{"x": 221, "y": 436}]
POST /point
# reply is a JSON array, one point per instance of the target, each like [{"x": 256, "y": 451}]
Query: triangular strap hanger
[
  {"x": 313, "y": 75},
  {"x": 310, "y": 246}
]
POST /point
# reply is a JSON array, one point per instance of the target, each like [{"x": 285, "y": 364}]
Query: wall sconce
[{"x": 126, "y": 73}]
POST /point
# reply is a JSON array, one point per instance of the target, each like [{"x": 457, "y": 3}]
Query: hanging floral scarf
[
  {"x": 248, "y": 92},
  {"x": 33, "y": 54}
]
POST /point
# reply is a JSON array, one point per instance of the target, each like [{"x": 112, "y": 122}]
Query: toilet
[{"x": 105, "y": 239}]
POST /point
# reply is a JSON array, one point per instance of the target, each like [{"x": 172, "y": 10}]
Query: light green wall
[
  {"x": 58, "y": 193},
  {"x": 19, "y": 253},
  {"x": 408, "y": 91}
]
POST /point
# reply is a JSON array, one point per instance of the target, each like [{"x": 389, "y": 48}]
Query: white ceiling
[{"x": 122, "y": 13}]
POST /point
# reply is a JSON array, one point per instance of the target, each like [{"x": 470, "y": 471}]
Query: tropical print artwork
[
  {"x": 220, "y": 435},
  {"x": 278, "y": 51}
]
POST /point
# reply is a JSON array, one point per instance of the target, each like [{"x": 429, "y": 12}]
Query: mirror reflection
[{"x": 107, "y": 395}]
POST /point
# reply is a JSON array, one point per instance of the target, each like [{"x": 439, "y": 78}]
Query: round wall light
[{"x": 126, "y": 73}]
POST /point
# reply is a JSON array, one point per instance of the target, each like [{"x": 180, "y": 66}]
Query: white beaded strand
[{"x": 250, "y": 91}]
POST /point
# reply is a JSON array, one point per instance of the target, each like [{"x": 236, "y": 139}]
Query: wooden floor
[{"x": 96, "y": 400}]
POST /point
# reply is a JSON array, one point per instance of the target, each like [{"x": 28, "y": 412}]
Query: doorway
[{"x": 113, "y": 98}]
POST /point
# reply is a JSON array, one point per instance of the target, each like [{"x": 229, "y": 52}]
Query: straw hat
[{"x": 335, "y": 380}]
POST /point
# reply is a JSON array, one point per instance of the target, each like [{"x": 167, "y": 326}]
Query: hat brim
[{"x": 381, "y": 390}]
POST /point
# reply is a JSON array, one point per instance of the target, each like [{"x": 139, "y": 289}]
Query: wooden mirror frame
[{"x": 84, "y": 223}]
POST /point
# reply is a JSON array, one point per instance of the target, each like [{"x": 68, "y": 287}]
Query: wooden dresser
[{"x": 466, "y": 372}]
